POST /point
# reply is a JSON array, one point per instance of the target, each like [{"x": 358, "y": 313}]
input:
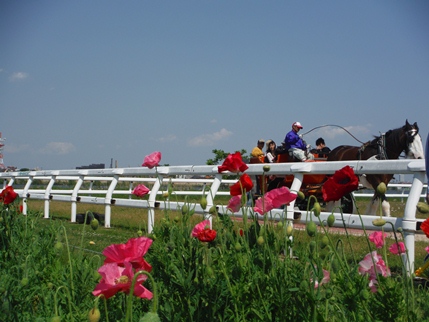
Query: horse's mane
[{"x": 375, "y": 140}]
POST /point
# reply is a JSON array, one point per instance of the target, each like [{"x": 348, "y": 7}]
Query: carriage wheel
[{"x": 347, "y": 203}]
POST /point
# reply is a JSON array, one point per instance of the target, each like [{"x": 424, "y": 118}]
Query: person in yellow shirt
[{"x": 257, "y": 150}]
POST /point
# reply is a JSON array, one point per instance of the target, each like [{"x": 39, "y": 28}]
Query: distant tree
[{"x": 220, "y": 155}]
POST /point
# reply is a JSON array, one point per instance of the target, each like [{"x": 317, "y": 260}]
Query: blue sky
[{"x": 83, "y": 82}]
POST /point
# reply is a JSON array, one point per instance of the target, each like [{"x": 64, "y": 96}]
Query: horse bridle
[{"x": 411, "y": 133}]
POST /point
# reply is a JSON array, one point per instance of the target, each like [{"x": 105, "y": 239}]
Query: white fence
[{"x": 210, "y": 183}]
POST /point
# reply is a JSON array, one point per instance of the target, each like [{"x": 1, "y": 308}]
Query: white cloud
[
  {"x": 331, "y": 132},
  {"x": 167, "y": 138},
  {"x": 209, "y": 139},
  {"x": 18, "y": 76},
  {"x": 58, "y": 148}
]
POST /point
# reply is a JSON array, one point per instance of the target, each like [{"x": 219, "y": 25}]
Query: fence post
[
  {"x": 74, "y": 198},
  {"x": 47, "y": 196},
  {"x": 212, "y": 193},
  {"x": 409, "y": 221},
  {"x": 152, "y": 203},
  {"x": 290, "y": 208},
  {"x": 25, "y": 194},
  {"x": 108, "y": 200}
]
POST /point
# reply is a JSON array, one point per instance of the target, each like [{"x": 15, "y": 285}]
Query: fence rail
[{"x": 205, "y": 180}]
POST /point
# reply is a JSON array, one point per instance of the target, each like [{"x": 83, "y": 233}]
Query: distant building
[{"x": 92, "y": 166}]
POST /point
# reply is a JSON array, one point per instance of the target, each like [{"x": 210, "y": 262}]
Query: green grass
[{"x": 126, "y": 222}]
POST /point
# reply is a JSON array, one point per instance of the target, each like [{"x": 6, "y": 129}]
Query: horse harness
[{"x": 381, "y": 148}]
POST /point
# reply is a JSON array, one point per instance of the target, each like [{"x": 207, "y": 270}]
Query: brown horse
[{"x": 387, "y": 146}]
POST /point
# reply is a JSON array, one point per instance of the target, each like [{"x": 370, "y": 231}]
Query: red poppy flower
[
  {"x": 244, "y": 184},
  {"x": 132, "y": 251},
  {"x": 8, "y": 195},
  {"x": 203, "y": 232},
  {"x": 115, "y": 278},
  {"x": 207, "y": 235},
  {"x": 152, "y": 160},
  {"x": 233, "y": 163},
  {"x": 341, "y": 183},
  {"x": 425, "y": 227}
]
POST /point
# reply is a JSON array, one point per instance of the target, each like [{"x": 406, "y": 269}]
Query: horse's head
[{"x": 414, "y": 147}]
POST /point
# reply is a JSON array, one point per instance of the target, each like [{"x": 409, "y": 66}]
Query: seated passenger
[
  {"x": 295, "y": 145},
  {"x": 270, "y": 153},
  {"x": 257, "y": 150},
  {"x": 321, "y": 149}
]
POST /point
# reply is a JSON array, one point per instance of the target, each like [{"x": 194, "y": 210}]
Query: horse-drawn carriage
[
  {"x": 311, "y": 184},
  {"x": 388, "y": 146}
]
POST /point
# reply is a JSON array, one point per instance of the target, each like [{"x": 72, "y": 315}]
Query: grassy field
[{"x": 126, "y": 222}]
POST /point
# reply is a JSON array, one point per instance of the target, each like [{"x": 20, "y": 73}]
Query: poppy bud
[
  {"x": 381, "y": 188},
  {"x": 301, "y": 195},
  {"x": 280, "y": 225},
  {"x": 324, "y": 241},
  {"x": 185, "y": 210},
  {"x": 260, "y": 240},
  {"x": 58, "y": 246},
  {"x": 311, "y": 228},
  {"x": 94, "y": 224},
  {"x": 212, "y": 210},
  {"x": 266, "y": 168},
  {"x": 237, "y": 246},
  {"x": 379, "y": 222},
  {"x": 203, "y": 202},
  {"x": 94, "y": 315},
  {"x": 56, "y": 319},
  {"x": 331, "y": 220},
  {"x": 165, "y": 194},
  {"x": 289, "y": 230},
  {"x": 139, "y": 233},
  {"x": 150, "y": 317},
  {"x": 24, "y": 281},
  {"x": 316, "y": 209},
  {"x": 423, "y": 207}
]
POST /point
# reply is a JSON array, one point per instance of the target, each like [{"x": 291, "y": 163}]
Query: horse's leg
[
  {"x": 385, "y": 206},
  {"x": 331, "y": 205},
  {"x": 373, "y": 205}
]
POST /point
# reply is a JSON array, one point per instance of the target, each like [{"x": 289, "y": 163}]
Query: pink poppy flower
[
  {"x": 397, "y": 248},
  {"x": 115, "y": 278},
  {"x": 377, "y": 238},
  {"x": 203, "y": 232},
  {"x": 427, "y": 249},
  {"x": 263, "y": 205},
  {"x": 152, "y": 160},
  {"x": 132, "y": 251},
  {"x": 233, "y": 163},
  {"x": 326, "y": 279},
  {"x": 341, "y": 183},
  {"x": 366, "y": 267},
  {"x": 274, "y": 199},
  {"x": 234, "y": 203},
  {"x": 245, "y": 184},
  {"x": 140, "y": 190}
]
